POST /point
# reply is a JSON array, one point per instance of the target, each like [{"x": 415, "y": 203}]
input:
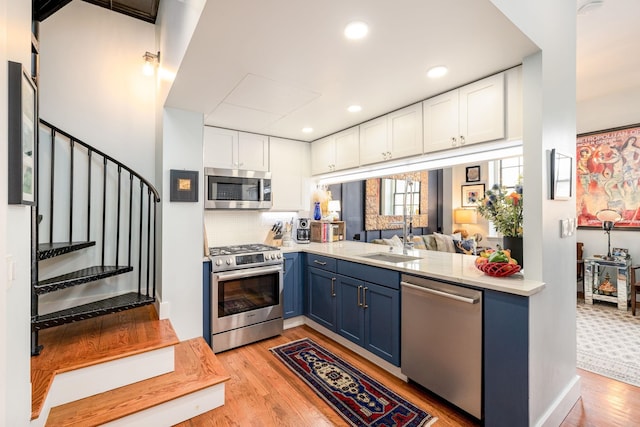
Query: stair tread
[
  {"x": 196, "y": 368},
  {"x": 93, "y": 309},
  {"x": 78, "y": 277},
  {"x": 82, "y": 344},
  {"x": 50, "y": 250}
]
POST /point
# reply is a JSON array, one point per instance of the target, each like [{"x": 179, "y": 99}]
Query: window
[{"x": 506, "y": 173}]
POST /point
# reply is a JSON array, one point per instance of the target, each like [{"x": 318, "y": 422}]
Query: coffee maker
[{"x": 303, "y": 230}]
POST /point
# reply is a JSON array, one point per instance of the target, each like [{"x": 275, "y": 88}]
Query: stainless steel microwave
[{"x": 237, "y": 189}]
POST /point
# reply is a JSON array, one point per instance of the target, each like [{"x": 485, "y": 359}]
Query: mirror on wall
[
  {"x": 385, "y": 198},
  {"x": 393, "y": 193}
]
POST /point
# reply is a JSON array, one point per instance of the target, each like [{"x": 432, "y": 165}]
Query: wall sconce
[
  {"x": 609, "y": 217},
  {"x": 151, "y": 61}
]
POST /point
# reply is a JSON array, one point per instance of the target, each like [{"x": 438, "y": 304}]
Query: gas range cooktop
[{"x": 244, "y": 256}]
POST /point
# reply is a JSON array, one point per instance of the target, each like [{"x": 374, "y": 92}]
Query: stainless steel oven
[{"x": 246, "y": 295}]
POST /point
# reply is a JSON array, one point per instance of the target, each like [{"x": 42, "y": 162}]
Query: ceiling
[
  {"x": 608, "y": 49},
  {"x": 276, "y": 67}
]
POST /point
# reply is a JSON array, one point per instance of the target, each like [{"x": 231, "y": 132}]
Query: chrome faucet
[{"x": 407, "y": 228}]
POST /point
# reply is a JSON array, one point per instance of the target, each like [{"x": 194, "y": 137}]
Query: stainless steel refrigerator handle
[
  {"x": 249, "y": 272},
  {"x": 441, "y": 293}
]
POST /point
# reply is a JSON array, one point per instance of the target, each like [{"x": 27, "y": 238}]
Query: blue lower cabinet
[
  {"x": 292, "y": 298},
  {"x": 321, "y": 297},
  {"x": 369, "y": 315},
  {"x": 382, "y": 322},
  {"x": 206, "y": 301},
  {"x": 350, "y": 321}
]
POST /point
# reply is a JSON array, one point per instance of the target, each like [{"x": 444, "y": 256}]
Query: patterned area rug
[
  {"x": 608, "y": 342},
  {"x": 360, "y": 400}
]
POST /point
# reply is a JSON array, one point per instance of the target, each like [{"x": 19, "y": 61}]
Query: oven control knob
[
  {"x": 273, "y": 256},
  {"x": 229, "y": 261},
  {"x": 279, "y": 256},
  {"x": 218, "y": 262}
]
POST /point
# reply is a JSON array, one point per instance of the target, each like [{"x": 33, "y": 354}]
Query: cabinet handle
[
  {"x": 333, "y": 286},
  {"x": 462, "y": 141},
  {"x": 315, "y": 261},
  {"x": 453, "y": 141},
  {"x": 389, "y": 154},
  {"x": 359, "y": 302},
  {"x": 364, "y": 298}
]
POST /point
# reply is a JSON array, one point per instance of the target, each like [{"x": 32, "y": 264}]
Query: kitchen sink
[{"x": 390, "y": 257}]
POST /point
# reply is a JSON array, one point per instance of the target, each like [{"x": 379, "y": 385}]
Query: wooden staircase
[{"x": 125, "y": 368}]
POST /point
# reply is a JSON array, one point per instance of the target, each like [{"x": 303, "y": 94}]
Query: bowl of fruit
[{"x": 497, "y": 263}]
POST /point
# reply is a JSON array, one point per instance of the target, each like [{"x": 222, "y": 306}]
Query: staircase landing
[{"x": 77, "y": 345}]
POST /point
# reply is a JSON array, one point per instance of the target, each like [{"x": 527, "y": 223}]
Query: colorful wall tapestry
[{"x": 608, "y": 176}]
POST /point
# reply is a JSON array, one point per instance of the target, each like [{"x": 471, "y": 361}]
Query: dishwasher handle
[{"x": 440, "y": 293}]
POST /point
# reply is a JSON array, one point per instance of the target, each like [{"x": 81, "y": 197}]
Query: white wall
[
  {"x": 549, "y": 122},
  {"x": 182, "y": 237},
  {"x": 613, "y": 110},
  {"x": 15, "y": 327},
  {"x": 92, "y": 84}
]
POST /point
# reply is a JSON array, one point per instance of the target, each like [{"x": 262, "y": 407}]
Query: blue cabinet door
[
  {"x": 350, "y": 315},
  {"x": 321, "y": 297},
  {"x": 292, "y": 286},
  {"x": 381, "y": 307},
  {"x": 206, "y": 301}
]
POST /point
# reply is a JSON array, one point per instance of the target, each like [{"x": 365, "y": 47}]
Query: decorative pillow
[
  {"x": 430, "y": 242},
  {"x": 465, "y": 246},
  {"x": 378, "y": 241},
  {"x": 394, "y": 241},
  {"x": 444, "y": 242},
  {"x": 418, "y": 243}
]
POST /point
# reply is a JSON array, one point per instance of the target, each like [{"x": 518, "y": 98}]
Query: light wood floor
[{"x": 264, "y": 392}]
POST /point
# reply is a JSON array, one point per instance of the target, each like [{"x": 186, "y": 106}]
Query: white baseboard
[
  {"x": 562, "y": 405},
  {"x": 163, "y": 309},
  {"x": 293, "y": 322}
]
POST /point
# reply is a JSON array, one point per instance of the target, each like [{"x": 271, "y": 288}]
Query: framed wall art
[
  {"x": 608, "y": 176},
  {"x": 561, "y": 171},
  {"x": 471, "y": 194},
  {"x": 472, "y": 173},
  {"x": 22, "y": 135},
  {"x": 184, "y": 186}
]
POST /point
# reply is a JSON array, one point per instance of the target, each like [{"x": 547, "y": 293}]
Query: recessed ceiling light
[
  {"x": 307, "y": 130},
  {"x": 356, "y": 30},
  {"x": 436, "y": 72},
  {"x": 354, "y": 108}
]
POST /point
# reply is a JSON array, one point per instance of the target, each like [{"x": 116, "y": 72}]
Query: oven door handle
[{"x": 248, "y": 272}]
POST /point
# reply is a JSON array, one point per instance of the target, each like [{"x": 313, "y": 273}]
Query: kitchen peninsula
[{"x": 351, "y": 292}]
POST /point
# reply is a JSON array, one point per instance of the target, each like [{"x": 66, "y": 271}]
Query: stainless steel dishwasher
[{"x": 442, "y": 340}]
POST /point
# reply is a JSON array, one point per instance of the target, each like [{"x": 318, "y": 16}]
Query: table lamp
[
  {"x": 334, "y": 208},
  {"x": 465, "y": 216},
  {"x": 609, "y": 217}
]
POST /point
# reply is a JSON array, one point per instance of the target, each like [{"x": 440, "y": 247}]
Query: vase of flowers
[{"x": 504, "y": 210}]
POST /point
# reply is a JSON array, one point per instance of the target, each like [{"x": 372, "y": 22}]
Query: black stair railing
[{"x": 139, "y": 223}]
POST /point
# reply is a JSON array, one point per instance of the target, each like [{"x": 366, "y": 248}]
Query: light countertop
[{"x": 452, "y": 267}]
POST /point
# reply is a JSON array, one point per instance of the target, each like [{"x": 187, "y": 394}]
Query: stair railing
[{"x": 138, "y": 224}]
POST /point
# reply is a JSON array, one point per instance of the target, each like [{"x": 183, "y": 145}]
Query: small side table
[{"x": 597, "y": 271}]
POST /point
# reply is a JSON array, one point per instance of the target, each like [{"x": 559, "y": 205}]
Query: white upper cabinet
[
  {"x": 514, "y": 103},
  {"x": 335, "y": 152},
  {"x": 471, "y": 114},
  {"x": 230, "y": 149},
  {"x": 405, "y": 131},
  {"x": 393, "y": 136},
  {"x": 290, "y": 179}
]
